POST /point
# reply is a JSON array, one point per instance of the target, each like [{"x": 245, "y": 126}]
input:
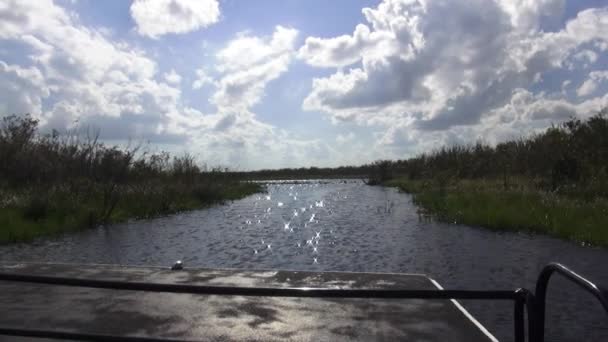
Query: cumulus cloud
[
  {"x": 525, "y": 15},
  {"x": 202, "y": 79},
  {"x": 172, "y": 77},
  {"x": 587, "y": 57},
  {"x": 447, "y": 47},
  {"x": 155, "y": 18},
  {"x": 247, "y": 64},
  {"x": 243, "y": 69},
  {"x": 590, "y": 85},
  {"x": 446, "y": 69},
  {"x": 71, "y": 73},
  {"x": 345, "y": 50},
  {"x": 68, "y": 75},
  {"x": 21, "y": 89}
]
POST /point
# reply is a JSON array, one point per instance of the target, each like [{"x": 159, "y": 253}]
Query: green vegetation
[
  {"x": 56, "y": 183},
  {"x": 555, "y": 182},
  {"x": 484, "y": 203}
]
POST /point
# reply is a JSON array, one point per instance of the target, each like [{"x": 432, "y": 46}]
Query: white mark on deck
[{"x": 468, "y": 315}]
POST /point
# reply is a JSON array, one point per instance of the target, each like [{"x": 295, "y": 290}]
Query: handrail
[
  {"x": 298, "y": 292},
  {"x": 541, "y": 293},
  {"x": 520, "y": 297},
  {"x": 534, "y": 303},
  {"x": 75, "y": 336}
]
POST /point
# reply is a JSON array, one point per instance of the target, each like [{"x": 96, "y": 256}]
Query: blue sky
[{"x": 268, "y": 84}]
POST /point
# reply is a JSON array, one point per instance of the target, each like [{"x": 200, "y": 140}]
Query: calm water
[{"x": 341, "y": 226}]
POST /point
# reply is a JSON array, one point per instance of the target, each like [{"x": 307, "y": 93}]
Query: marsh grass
[
  {"x": 520, "y": 208},
  {"x": 64, "y": 213},
  {"x": 56, "y": 183}
]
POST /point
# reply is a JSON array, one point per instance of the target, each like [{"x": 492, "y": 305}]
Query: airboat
[{"x": 126, "y": 303}]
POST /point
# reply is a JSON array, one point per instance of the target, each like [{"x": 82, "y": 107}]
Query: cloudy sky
[{"x": 290, "y": 83}]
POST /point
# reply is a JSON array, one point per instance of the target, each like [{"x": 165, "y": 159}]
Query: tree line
[{"x": 569, "y": 157}]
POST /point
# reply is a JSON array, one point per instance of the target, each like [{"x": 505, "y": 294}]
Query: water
[{"x": 339, "y": 226}]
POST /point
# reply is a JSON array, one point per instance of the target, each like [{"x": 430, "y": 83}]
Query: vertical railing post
[
  {"x": 541, "y": 298},
  {"x": 518, "y": 320},
  {"x": 525, "y": 299},
  {"x": 531, "y": 306}
]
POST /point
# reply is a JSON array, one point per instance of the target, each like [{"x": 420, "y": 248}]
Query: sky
[{"x": 293, "y": 83}]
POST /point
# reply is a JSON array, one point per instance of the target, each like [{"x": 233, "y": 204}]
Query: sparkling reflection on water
[{"x": 348, "y": 226}]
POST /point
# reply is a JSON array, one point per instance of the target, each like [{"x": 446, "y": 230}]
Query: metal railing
[
  {"x": 541, "y": 292},
  {"x": 524, "y": 300}
]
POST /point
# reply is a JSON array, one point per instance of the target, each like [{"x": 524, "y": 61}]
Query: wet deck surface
[{"x": 230, "y": 318}]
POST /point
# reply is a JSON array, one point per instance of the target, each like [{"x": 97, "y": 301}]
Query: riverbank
[
  {"x": 27, "y": 215},
  {"x": 62, "y": 182},
  {"x": 520, "y": 207}
]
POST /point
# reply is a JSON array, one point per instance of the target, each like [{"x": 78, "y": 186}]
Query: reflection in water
[{"x": 347, "y": 227}]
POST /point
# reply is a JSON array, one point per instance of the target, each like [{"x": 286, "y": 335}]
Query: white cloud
[
  {"x": 172, "y": 77},
  {"x": 524, "y": 114},
  {"x": 155, "y": 18},
  {"x": 74, "y": 73},
  {"x": 247, "y": 64},
  {"x": 202, "y": 79},
  {"x": 345, "y": 50},
  {"x": 417, "y": 72},
  {"x": 586, "y": 56},
  {"x": 590, "y": 85},
  {"x": 244, "y": 68},
  {"x": 68, "y": 74},
  {"x": 247, "y": 50},
  {"x": 345, "y": 138},
  {"x": 565, "y": 86},
  {"x": 435, "y": 45},
  {"x": 443, "y": 70},
  {"x": 525, "y": 15},
  {"x": 21, "y": 90}
]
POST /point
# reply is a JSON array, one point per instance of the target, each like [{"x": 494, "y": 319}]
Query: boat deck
[{"x": 231, "y": 318}]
